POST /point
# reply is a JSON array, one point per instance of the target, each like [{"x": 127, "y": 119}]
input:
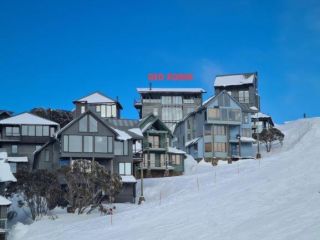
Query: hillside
[{"x": 277, "y": 198}]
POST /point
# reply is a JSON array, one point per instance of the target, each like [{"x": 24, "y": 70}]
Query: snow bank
[{"x": 274, "y": 198}]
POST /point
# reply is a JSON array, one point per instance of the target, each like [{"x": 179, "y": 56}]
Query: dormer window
[
  {"x": 108, "y": 111},
  {"x": 83, "y": 109}
]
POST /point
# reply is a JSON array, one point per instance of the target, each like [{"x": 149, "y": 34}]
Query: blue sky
[{"x": 53, "y": 52}]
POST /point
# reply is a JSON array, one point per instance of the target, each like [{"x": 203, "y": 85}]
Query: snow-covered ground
[{"x": 275, "y": 198}]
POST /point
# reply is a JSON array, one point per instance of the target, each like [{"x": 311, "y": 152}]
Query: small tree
[
  {"x": 40, "y": 191},
  {"x": 268, "y": 136},
  {"x": 87, "y": 183}
]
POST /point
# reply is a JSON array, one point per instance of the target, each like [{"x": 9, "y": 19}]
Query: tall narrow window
[
  {"x": 103, "y": 110},
  {"x": 24, "y": 130},
  {"x": 31, "y": 130},
  {"x": 8, "y": 131},
  {"x": 38, "y": 131},
  {"x": 83, "y": 124},
  {"x": 93, "y": 124},
  {"x": 118, "y": 148},
  {"x": 52, "y": 131},
  {"x": 47, "y": 155},
  {"x": 45, "y": 131},
  {"x": 114, "y": 111},
  {"x": 66, "y": 143},
  {"x": 14, "y": 149},
  {"x": 128, "y": 168},
  {"x": 110, "y": 144},
  {"x": 83, "y": 109},
  {"x": 88, "y": 143}
]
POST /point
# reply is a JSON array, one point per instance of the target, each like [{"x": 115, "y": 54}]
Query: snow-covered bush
[
  {"x": 88, "y": 183},
  {"x": 40, "y": 191}
]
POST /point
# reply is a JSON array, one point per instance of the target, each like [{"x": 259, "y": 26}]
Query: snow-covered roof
[
  {"x": 122, "y": 135},
  {"x": 128, "y": 179},
  {"x": 175, "y": 150},
  {"x": 146, "y": 126},
  {"x": 4, "y": 201},
  {"x": 5, "y": 173},
  {"x": 17, "y": 159},
  {"x": 136, "y": 131},
  {"x": 260, "y": 115},
  {"x": 234, "y": 80},
  {"x": 192, "y": 141},
  {"x": 27, "y": 118},
  {"x": 96, "y": 98},
  {"x": 247, "y": 139},
  {"x": 182, "y": 90},
  {"x": 254, "y": 108},
  {"x": 208, "y": 100},
  {"x": 3, "y": 155}
]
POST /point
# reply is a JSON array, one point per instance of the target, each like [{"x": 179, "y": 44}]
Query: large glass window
[
  {"x": 244, "y": 96},
  {"x": 88, "y": 143},
  {"x": 172, "y": 113},
  {"x": 75, "y": 143},
  {"x": 219, "y": 130},
  {"x": 101, "y": 144},
  {"x": 213, "y": 114},
  {"x": 121, "y": 147},
  {"x": 175, "y": 159},
  {"x": 208, "y": 147},
  {"x": 12, "y": 131},
  {"x": 219, "y": 147},
  {"x": 234, "y": 115},
  {"x": 154, "y": 141},
  {"x": 125, "y": 168}
]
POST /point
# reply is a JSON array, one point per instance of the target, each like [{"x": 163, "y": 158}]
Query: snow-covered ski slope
[{"x": 276, "y": 199}]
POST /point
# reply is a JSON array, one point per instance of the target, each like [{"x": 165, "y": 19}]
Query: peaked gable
[{"x": 76, "y": 120}]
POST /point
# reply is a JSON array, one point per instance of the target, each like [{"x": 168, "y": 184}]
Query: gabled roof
[
  {"x": 207, "y": 102},
  {"x": 27, "y": 118},
  {"x": 126, "y": 128},
  {"x": 259, "y": 116},
  {"x": 97, "y": 97},
  {"x": 148, "y": 121},
  {"x": 171, "y": 90},
  {"x": 234, "y": 79},
  {"x": 88, "y": 112}
]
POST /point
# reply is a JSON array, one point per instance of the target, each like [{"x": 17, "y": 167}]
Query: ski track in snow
[{"x": 276, "y": 199}]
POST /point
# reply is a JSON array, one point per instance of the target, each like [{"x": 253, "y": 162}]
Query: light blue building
[{"x": 220, "y": 129}]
